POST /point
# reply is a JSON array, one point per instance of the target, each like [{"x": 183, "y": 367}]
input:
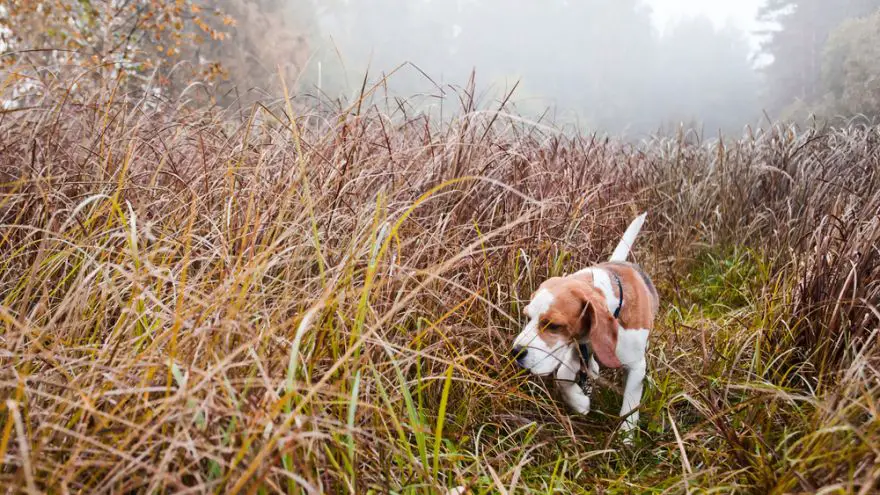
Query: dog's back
[{"x": 623, "y": 266}]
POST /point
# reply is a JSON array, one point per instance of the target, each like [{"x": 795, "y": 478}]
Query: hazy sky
[
  {"x": 605, "y": 72},
  {"x": 741, "y": 13}
]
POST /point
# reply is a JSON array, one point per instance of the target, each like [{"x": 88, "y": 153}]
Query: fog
[
  {"x": 622, "y": 67},
  {"x": 619, "y": 66}
]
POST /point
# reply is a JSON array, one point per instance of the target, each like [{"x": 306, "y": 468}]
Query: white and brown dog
[{"x": 608, "y": 309}]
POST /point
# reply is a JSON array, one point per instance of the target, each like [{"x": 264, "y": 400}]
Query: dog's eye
[{"x": 553, "y": 327}]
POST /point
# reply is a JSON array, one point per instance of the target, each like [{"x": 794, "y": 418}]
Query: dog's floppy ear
[{"x": 601, "y": 328}]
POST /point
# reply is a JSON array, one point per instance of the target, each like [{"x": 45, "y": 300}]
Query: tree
[
  {"x": 104, "y": 35},
  {"x": 268, "y": 37},
  {"x": 850, "y": 73},
  {"x": 237, "y": 41},
  {"x": 798, "y": 43},
  {"x": 851, "y": 68}
]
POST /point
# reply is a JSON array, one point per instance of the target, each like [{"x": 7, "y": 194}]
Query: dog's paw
[
  {"x": 627, "y": 433},
  {"x": 578, "y": 402}
]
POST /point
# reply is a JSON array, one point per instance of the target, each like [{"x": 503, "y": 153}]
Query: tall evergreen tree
[{"x": 797, "y": 45}]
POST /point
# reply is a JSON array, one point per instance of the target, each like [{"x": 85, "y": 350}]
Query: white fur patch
[
  {"x": 631, "y": 345},
  {"x": 540, "y": 304},
  {"x": 602, "y": 281},
  {"x": 540, "y": 358}
]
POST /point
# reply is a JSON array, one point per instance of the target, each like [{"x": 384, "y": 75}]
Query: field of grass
[{"x": 195, "y": 300}]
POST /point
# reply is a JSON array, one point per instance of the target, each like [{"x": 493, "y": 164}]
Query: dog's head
[{"x": 562, "y": 313}]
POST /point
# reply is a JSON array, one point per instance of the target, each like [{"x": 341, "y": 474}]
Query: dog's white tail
[{"x": 621, "y": 252}]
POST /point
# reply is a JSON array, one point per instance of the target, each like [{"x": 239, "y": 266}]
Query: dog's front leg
[
  {"x": 566, "y": 380},
  {"x": 593, "y": 368},
  {"x": 632, "y": 395}
]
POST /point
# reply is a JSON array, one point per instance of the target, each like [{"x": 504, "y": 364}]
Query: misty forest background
[{"x": 601, "y": 64}]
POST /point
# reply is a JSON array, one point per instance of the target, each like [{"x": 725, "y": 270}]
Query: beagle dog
[{"x": 602, "y": 314}]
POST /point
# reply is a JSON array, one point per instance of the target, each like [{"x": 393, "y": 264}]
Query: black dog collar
[
  {"x": 581, "y": 377},
  {"x": 620, "y": 297}
]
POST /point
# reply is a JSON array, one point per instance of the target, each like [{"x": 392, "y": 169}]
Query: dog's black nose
[{"x": 518, "y": 353}]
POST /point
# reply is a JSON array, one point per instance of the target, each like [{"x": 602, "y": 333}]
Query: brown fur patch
[{"x": 640, "y": 301}]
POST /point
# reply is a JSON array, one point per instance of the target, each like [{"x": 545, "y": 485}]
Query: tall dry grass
[{"x": 303, "y": 301}]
